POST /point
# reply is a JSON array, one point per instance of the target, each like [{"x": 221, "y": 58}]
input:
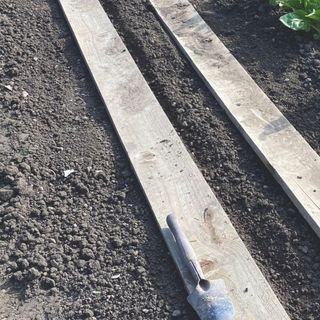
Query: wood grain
[
  {"x": 290, "y": 159},
  {"x": 169, "y": 177}
]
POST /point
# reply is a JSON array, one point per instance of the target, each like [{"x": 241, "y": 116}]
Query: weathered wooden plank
[
  {"x": 169, "y": 177},
  {"x": 290, "y": 159}
]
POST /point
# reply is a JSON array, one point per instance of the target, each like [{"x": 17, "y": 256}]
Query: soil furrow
[{"x": 284, "y": 246}]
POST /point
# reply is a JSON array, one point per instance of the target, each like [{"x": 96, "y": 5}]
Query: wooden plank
[
  {"x": 169, "y": 177},
  {"x": 290, "y": 159}
]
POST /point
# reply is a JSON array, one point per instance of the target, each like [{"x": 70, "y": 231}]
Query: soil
[
  {"x": 285, "y": 64},
  {"x": 86, "y": 245},
  {"x": 78, "y": 244},
  {"x": 283, "y": 245}
]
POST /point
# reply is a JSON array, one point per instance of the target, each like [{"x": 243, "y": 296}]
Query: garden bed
[
  {"x": 285, "y": 64},
  {"x": 284, "y": 246},
  {"x": 82, "y": 246},
  {"x": 86, "y": 245}
]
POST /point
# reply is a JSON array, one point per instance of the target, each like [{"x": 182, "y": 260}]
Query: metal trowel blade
[{"x": 210, "y": 300}]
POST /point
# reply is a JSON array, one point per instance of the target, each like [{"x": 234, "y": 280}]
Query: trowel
[{"x": 208, "y": 298}]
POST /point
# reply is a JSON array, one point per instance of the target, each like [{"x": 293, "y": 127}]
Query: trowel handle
[{"x": 185, "y": 248}]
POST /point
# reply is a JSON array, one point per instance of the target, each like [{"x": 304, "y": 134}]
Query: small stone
[
  {"x": 44, "y": 213},
  {"x": 53, "y": 291},
  {"x": 23, "y": 137},
  {"x": 121, "y": 195},
  {"x": 4, "y": 258},
  {"x": 34, "y": 273},
  {"x": 23, "y": 263},
  {"x": 316, "y": 62},
  {"x": 62, "y": 210},
  {"x": 81, "y": 263},
  {"x": 40, "y": 261},
  {"x": 25, "y": 166},
  {"x": 12, "y": 266},
  {"x": 11, "y": 170},
  {"x": 67, "y": 173},
  {"x": 303, "y": 76},
  {"x": 87, "y": 313},
  {"x": 12, "y": 72},
  {"x": 24, "y": 94},
  {"x": 305, "y": 249},
  {"x": 87, "y": 254},
  {"x": 22, "y": 187},
  {"x": 23, "y": 247},
  {"x": 117, "y": 242},
  {"x": 81, "y": 188},
  {"x": 141, "y": 270},
  {"x": 8, "y": 87},
  {"x": 62, "y": 194},
  {"x": 185, "y": 124},
  {"x": 99, "y": 174},
  {"x": 48, "y": 283},
  {"x": 17, "y": 276},
  {"x": 6, "y": 193}
]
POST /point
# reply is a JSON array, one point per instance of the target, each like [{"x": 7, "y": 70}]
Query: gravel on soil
[
  {"x": 77, "y": 239},
  {"x": 285, "y": 64},
  {"x": 283, "y": 245}
]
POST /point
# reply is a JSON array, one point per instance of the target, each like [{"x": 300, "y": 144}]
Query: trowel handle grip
[{"x": 185, "y": 248}]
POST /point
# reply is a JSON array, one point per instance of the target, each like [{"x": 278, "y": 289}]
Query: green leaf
[
  {"x": 314, "y": 15},
  {"x": 301, "y": 13},
  {"x": 295, "y": 22}
]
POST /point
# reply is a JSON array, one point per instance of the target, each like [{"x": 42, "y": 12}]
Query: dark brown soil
[
  {"x": 83, "y": 246},
  {"x": 86, "y": 245},
  {"x": 284, "y": 63},
  {"x": 284, "y": 246}
]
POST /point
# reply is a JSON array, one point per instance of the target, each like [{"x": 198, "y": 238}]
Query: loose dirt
[
  {"x": 78, "y": 244},
  {"x": 285, "y": 64},
  {"x": 284, "y": 246},
  {"x": 86, "y": 245}
]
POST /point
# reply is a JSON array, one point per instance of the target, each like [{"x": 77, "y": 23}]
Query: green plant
[{"x": 303, "y": 15}]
